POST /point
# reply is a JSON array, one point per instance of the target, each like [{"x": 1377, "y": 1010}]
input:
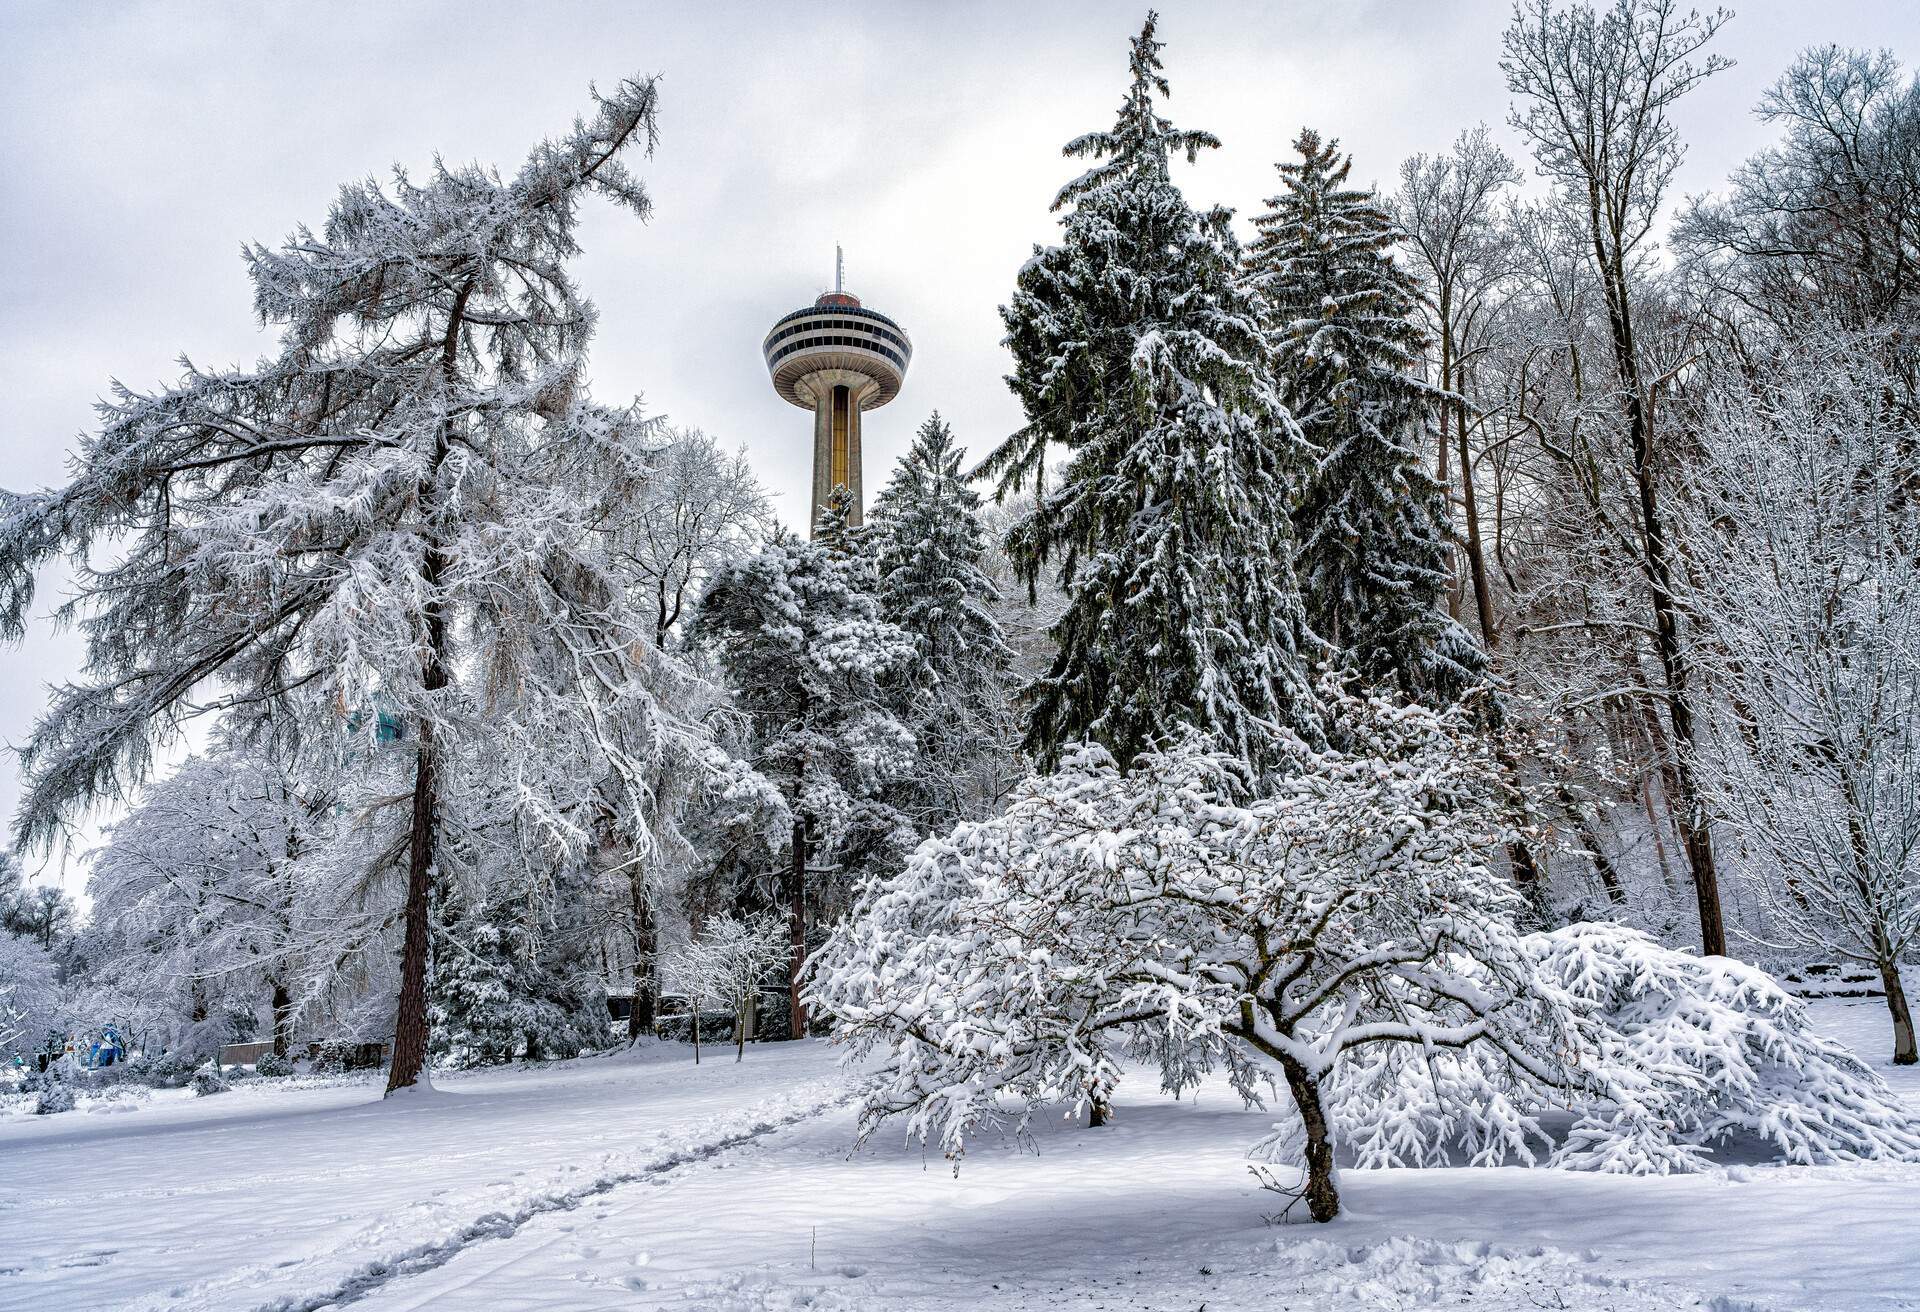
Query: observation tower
[{"x": 837, "y": 358}]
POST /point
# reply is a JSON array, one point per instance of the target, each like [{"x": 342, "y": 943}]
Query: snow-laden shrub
[
  {"x": 494, "y": 999},
  {"x": 1016, "y": 961},
  {"x": 1675, "y": 1054},
  {"x": 333, "y": 1057},
  {"x": 272, "y": 1064},
  {"x": 51, "y": 1092},
  {"x": 1348, "y": 938},
  {"x": 208, "y": 1080},
  {"x": 117, "y": 1097},
  {"x": 170, "y": 1070}
]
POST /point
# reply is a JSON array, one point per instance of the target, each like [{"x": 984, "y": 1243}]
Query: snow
[{"x": 643, "y": 1181}]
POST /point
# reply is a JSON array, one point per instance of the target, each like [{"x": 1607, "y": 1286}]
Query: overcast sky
[{"x": 140, "y": 145}]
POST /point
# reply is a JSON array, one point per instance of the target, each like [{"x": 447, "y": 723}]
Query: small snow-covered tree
[
  {"x": 725, "y": 965},
  {"x": 798, "y": 632},
  {"x": 1139, "y": 353},
  {"x": 30, "y": 994},
  {"x": 1806, "y": 537},
  {"x": 929, "y": 543},
  {"x": 1372, "y": 522},
  {"x": 1346, "y": 937},
  {"x": 495, "y": 997},
  {"x": 406, "y": 502},
  {"x": 12, "y": 1019},
  {"x": 1106, "y": 913}
]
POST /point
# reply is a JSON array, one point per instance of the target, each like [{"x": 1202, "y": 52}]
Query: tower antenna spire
[{"x": 839, "y": 269}]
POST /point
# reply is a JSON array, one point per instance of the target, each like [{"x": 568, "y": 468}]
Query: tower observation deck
[{"x": 837, "y": 358}]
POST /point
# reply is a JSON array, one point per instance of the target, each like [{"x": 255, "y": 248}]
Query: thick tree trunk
[
  {"x": 1904, "y": 1053},
  {"x": 1321, "y": 1192},
  {"x": 282, "y": 1018},
  {"x": 641, "y": 1016},
  {"x": 1097, "y": 1113},
  {"x": 410, "y": 1030},
  {"x": 797, "y": 930}
]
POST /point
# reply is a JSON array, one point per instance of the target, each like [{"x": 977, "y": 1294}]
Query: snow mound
[{"x": 1410, "y": 1272}]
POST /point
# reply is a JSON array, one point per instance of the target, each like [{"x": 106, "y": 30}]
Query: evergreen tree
[
  {"x": 1372, "y": 523},
  {"x": 799, "y": 633},
  {"x": 494, "y": 998},
  {"x": 928, "y": 553},
  {"x": 405, "y": 502},
  {"x": 1139, "y": 352}
]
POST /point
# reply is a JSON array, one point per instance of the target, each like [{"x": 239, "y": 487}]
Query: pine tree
[
  {"x": 494, "y": 998},
  {"x": 799, "y": 633},
  {"x": 1372, "y": 523},
  {"x": 406, "y": 503},
  {"x": 1138, "y": 351},
  {"x": 931, "y": 584}
]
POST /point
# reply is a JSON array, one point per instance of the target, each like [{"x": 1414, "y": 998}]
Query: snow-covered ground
[{"x": 646, "y": 1182}]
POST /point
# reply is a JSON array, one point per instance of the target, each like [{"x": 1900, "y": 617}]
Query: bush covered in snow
[
  {"x": 272, "y": 1064},
  {"x": 1150, "y": 913},
  {"x": 208, "y": 1080},
  {"x": 1675, "y": 1054},
  {"x": 50, "y": 1090},
  {"x": 1347, "y": 936}
]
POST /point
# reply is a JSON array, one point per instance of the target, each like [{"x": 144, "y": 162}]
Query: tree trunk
[
  {"x": 1904, "y": 1053},
  {"x": 1695, "y": 836},
  {"x": 641, "y": 1016},
  {"x": 1320, "y": 1190},
  {"x": 740, "y": 1031},
  {"x": 282, "y": 1018},
  {"x": 694, "y": 1009},
  {"x": 1443, "y": 445},
  {"x": 1097, "y": 1113},
  {"x": 797, "y": 929},
  {"x": 410, "y": 1031},
  {"x": 1602, "y": 863},
  {"x": 1476, "y": 555},
  {"x": 410, "y": 1027}
]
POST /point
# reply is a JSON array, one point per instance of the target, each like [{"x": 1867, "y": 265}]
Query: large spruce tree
[
  {"x": 928, "y": 547},
  {"x": 1372, "y": 523},
  {"x": 1139, "y": 352}
]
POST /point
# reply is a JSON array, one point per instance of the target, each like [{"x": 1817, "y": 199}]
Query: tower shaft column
[{"x": 838, "y": 396}]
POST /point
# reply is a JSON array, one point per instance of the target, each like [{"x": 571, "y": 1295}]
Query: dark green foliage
[
  {"x": 494, "y": 999},
  {"x": 799, "y": 633},
  {"x": 1138, "y": 351},
  {"x": 1372, "y": 523},
  {"x": 928, "y": 544}
]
